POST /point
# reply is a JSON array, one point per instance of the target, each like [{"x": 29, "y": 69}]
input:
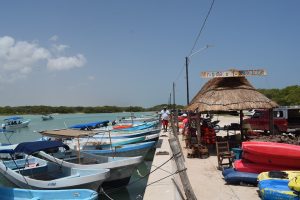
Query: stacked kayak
[
  {"x": 279, "y": 185},
  {"x": 247, "y": 166},
  {"x": 232, "y": 176},
  {"x": 278, "y": 175},
  {"x": 261, "y": 157},
  {"x": 278, "y": 189},
  {"x": 272, "y": 153},
  {"x": 268, "y": 156}
]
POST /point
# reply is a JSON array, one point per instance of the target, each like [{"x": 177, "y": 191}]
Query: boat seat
[{"x": 224, "y": 155}]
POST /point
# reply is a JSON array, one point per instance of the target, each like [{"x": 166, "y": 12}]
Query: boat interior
[{"x": 39, "y": 169}]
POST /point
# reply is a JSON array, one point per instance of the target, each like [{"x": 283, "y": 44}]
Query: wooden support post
[
  {"x": 241, "y": 126},
  {"x": 271, "y": 121},
  {"x": 188, "y": 190},
  {"x": 198, "y": 121}
]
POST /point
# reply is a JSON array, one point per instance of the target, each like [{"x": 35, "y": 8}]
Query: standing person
[{"x": 165, "y": 118}]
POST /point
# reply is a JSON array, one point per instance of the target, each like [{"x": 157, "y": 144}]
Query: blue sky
[{"x": 95, "y": 53}]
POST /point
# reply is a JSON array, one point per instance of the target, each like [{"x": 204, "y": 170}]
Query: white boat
[
  {"x": 27, "y": 171},
  {"x": 134, "y": 119},
  {"x": 15, "y": 122},
  {"x": 46, "y": 117},
  {"x": 22, "y": 194},
  {"x": 121, "y": 168}
]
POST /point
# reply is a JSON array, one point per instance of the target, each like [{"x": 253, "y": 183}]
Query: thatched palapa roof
[{"x": 229, "y": 93}]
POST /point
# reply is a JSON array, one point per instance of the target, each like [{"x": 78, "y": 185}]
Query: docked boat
[
  {"x": 27, "y": 171},
  {"x": 47, "y": 117},
  {"x": 70, "y": 194},
  {"x": 129, "y": 150},
  {"x": 121, "y": 135},
  {"x": 78, "y": 139},
  {"x": 90, "y": 126},
  {"x": 121, "y": 168},
  {"x": 134, "y": 119},
  {"x": 15, "y": 122}
]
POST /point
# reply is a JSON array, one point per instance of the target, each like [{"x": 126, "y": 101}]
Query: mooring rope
[{"x": 139, "y": 179}]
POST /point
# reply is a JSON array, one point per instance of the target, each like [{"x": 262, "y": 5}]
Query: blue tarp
[
  {"x": 31, "y": 147},
  {"x": 14, "y": 118},
  {"x": 91, "y": 125}
]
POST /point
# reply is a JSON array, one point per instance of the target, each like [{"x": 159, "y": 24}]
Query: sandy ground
[{"x": 206, "y": 180}]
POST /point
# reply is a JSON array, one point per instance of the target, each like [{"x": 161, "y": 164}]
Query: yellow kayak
[
  {"x": 278, "y": 175},
  {"x": 294, "y": 184}
]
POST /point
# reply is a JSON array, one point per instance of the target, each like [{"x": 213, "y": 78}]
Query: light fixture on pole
[{"x": 187, "y": 70}]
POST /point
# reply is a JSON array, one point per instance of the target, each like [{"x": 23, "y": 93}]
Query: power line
[{"x": 202, "y": 27}]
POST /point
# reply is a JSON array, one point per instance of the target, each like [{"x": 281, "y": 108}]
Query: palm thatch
[{"x": 229, "y": 93}]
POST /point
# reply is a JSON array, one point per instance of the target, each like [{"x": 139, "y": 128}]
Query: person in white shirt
[{"x": 165, "y": 116}]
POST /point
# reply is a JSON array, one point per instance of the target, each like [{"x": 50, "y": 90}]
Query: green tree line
[
  {"x": 19, "y": 110},
  {"x": 287, "y": 96}
]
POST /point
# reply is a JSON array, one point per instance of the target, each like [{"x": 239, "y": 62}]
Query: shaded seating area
[{"x": 228, "y": 93}]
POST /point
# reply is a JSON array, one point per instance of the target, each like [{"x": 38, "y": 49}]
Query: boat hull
[
  {"x": 16, "y": 193},
  {"x": 131, "y": 150},
  {"x": 120, "y": 168},
  {"x": 51, "y": 176},
  {"x": 16, "y": 126}
]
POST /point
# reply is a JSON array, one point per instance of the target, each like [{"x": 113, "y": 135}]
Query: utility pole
[
  {"x": 187, "y": 80},
  {"x": 187, "y": 71},
  {"x": 174, "y": 97}
]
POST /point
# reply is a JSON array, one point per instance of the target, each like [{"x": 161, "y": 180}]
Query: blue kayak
[
  {"x": 236, "y": 177},
  {"x": 22, "y": 194},
  {"x": 227, "y": 171},
  {"x": 278, "y": 189}
]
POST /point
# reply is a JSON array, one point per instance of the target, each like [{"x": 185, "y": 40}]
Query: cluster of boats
[
  {"x": 274, "y": 167},
  {"x": 77, "y": 162}
]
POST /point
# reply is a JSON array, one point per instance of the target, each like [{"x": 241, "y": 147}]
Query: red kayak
[
  {"x": 272, "y": 149},
  {"x": 272, "y": 160},
  {"x": 246, "y": 166}
]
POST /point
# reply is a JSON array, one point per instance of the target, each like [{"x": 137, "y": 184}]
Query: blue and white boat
[
  {"x": 15, "y": 122},
  {"x": 27, "y": 171},
  {"x": 121, "y": 168},
  {"x": 70, "y": 194},
  {"x": 129, "y": 150},
  {"x": 90, "y": 126},
  {"x": 116, "y": 135}
]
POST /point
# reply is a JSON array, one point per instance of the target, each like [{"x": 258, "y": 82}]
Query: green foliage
[
  {"x": 19, "y": 110},
  {"x": 285, "y": 97}
]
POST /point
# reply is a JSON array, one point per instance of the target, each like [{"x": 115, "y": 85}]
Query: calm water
[{"x": 133, "y": 191}]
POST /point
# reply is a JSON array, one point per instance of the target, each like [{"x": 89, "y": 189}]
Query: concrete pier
[{"x": 206, "y": 180}]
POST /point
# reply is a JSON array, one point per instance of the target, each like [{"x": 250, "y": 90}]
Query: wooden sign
[{"x": 234, "y": 73}]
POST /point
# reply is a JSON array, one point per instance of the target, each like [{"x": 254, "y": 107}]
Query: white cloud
[
  {"x": 19, "y": 58},
  {"x": 58, "y": 48},
  {"x": 65, "y": 63},
  {"x": 54, "y": 38}
]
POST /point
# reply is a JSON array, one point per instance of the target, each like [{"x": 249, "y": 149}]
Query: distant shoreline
[{"x": 42, "y": 110}]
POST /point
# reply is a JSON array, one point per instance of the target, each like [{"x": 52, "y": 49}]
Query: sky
[{"x": 129, "y": 53}]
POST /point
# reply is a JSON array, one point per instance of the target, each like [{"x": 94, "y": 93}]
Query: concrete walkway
[{"x": 206, "y": 180}]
